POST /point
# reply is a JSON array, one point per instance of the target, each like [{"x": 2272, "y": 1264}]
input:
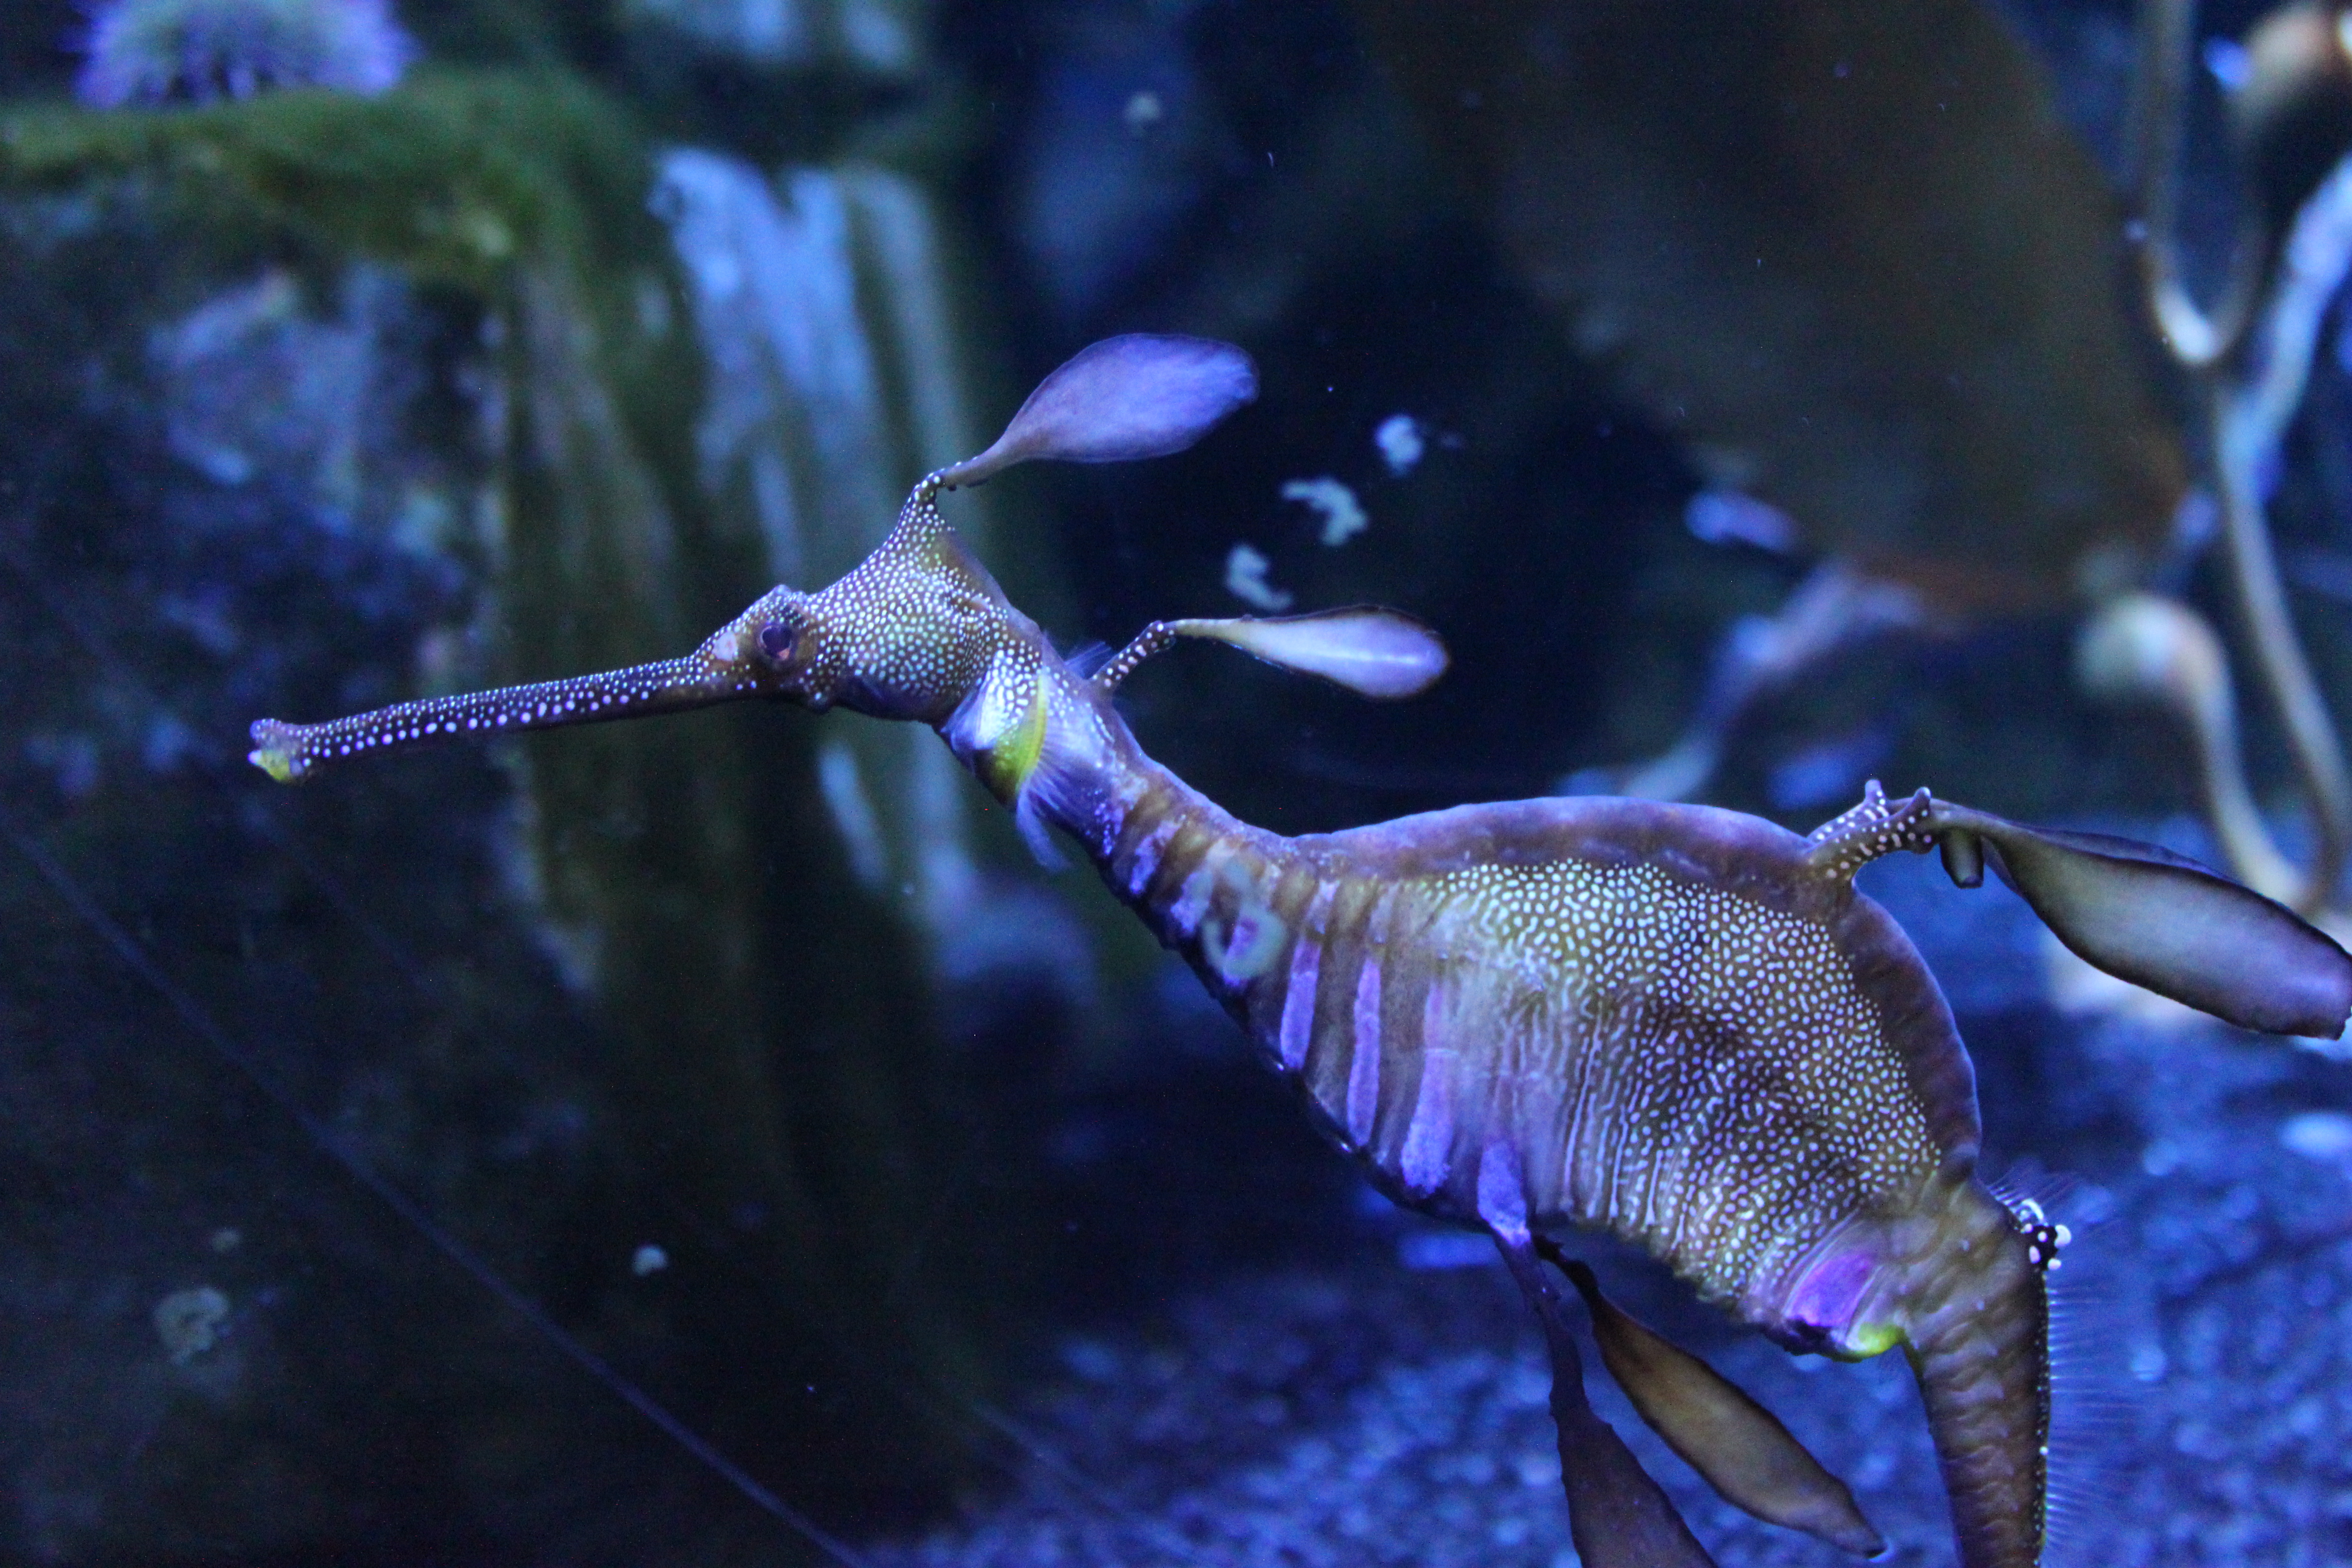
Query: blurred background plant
[{"x": 1943, "y": 296}]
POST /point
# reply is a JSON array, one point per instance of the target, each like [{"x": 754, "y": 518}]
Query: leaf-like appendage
[
  {"x": 1140, "y": 395},
  {"x": 1618, "y": 1516},
  {"x": 1739, "y": 1446},
  {"x": 1379, "y": 652},
  {"x": 2163, "y": 922}
]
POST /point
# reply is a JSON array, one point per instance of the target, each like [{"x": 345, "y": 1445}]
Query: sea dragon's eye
[{"x": 776, "y": 640}]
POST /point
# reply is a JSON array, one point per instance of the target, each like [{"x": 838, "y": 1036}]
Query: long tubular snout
[
  {"x": 1981, "y": 1352},
  {"x": 289, "y": 752}
]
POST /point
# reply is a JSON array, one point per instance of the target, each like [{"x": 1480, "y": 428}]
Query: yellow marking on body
[
  {"x": 1007, "y": 766},
  {"x": 1866, "y": 1340}
]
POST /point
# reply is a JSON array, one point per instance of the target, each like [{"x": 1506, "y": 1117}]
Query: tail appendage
[{"x": 1979, "y": 1344}]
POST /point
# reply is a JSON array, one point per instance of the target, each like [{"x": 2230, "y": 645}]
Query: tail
[{"x": 1981, "y": 1352}]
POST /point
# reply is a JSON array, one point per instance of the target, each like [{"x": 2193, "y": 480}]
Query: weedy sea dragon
[{"x": 1680, "y": 1023}]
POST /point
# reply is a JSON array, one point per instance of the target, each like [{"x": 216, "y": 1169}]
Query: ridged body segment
[
  {"x": 1693, "y": 1067},
  {"x": 1978, "y": 1312}
]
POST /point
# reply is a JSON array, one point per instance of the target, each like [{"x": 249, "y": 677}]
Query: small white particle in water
[
  {"x": 647, "y": 1259},
  {"x": 1444, "y": 1249},
  {"x": 2230, "y": 64},
  {"x": 1246, "y": 580},
  {"x": 2325, "y": 1135},
  {"x": 228, "y": 1239},
  {"x": 189, "y": 1321},
  {"x": 1398, "y": 439},
  {"x": 1343, "y": 516},
  {"x": 1723, "y": 516},
  {"x": 1143, "y": 111}
]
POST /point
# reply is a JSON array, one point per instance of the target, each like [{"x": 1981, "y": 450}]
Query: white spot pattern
[{"x": 1721, "y": 1086}]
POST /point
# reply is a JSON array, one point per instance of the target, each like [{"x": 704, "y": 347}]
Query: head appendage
[
  {"x": 918, "y": 630},
  {"x": 1151, "y": 641},
  {"x": 1140, "y": 395},
  {"x": 1373, "y": 651},
  {"x": 905, "y": 635}
]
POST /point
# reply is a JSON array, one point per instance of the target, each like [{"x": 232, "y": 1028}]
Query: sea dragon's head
[
  {"x": 908, "y": 634},
  {"x": 918, "y": 630},
  {"x": 903, "y": 635}
]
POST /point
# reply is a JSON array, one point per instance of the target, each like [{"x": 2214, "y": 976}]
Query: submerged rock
[{"x": 313, "y": 403}]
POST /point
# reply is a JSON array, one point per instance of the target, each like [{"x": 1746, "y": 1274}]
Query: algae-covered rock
[
  {"x": 831, "y": 381},
  {"x": 319, "y": 402}
]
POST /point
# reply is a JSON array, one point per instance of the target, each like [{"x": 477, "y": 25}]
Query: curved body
[{"x": 1679, "y": 1023}]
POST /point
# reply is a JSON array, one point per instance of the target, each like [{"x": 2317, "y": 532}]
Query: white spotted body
[
  {"x": 1679, "y": 1023},
  {"x": 1702, "y": 1071}
]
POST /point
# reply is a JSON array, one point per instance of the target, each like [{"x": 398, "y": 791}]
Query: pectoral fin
[
  {"x": 2163, "y": 922},
  {"x": 1618, "y": 1517},
  {"x": 1739, "y": 1446}
]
